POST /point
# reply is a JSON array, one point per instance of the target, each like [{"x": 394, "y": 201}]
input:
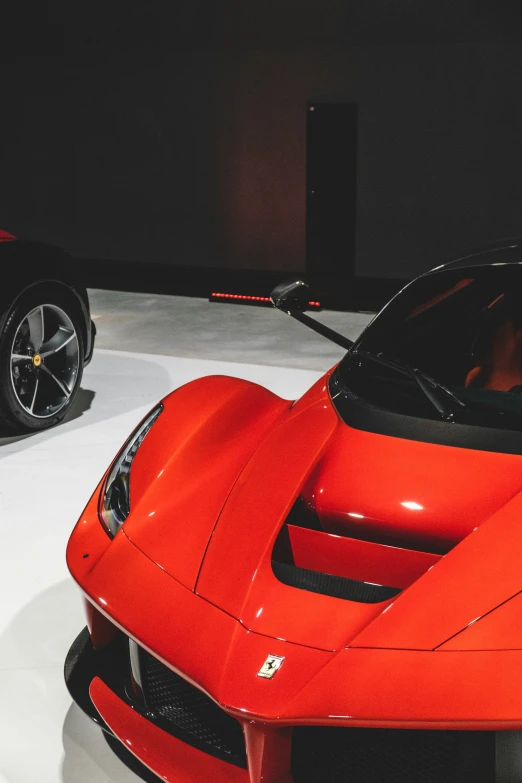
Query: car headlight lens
[{"x": 115, "y": 499}]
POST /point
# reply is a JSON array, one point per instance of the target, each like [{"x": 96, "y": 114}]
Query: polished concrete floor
[
  {"x": 146, "y": 347},
  {"x": 195, "y": 328}
]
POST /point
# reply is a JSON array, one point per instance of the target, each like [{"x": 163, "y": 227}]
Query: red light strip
[{"x": 248, "y": 298}]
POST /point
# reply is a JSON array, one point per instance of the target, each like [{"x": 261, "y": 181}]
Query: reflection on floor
[{"x": 45, "y": 481}]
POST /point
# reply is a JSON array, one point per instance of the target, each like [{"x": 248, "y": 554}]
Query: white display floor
[{"x": 45, "y": 481}]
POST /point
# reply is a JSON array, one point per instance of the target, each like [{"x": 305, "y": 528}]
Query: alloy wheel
[{"x": 45, "y": 360}]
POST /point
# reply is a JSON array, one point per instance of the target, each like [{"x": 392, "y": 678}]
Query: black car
[{"x": 46, "y": 334}]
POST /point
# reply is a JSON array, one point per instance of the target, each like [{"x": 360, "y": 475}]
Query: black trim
[
  {"x": 333, "y": 586},
  {"x": 341, "y": 754},
  {"x": 303, "y": 515},
  {"x": 84, "y": 663},
  {"x": 90, "y": 350},
  {"x": 323, "y": 330},
  {"x": 180, "y": 708},
  {"x": 362, "y": 415}
]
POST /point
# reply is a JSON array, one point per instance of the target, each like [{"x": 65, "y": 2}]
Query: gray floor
[{"x": 195, "y": 328}]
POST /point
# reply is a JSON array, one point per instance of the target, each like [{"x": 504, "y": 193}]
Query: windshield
[{"x": 461, "y": 331}]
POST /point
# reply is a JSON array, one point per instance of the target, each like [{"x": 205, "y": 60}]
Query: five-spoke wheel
[
  {"x": 41, "y": 349},
  {"x": 45, "y": 359}
]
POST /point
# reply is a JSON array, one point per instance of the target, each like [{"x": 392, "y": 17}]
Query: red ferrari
[{"x": 327, "y": 590}]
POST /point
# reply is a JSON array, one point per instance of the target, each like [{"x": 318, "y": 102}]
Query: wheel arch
[
  {"x": 50, "y": 286},
  {"x": 26, "y": 264}
]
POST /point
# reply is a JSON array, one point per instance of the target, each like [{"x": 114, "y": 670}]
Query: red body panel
[
  {"x": 168, "y": 757},
  {"x": 353, "y": 686},
  {"x": 498, "y": 630},
  {"x": 471, "y": 580},
  {"x": 386, "y": 471},
  {"x": 5, "y": 236},
  {"x": 452, "y": 490},
  {"x": 190, "y": 576},
  {"x": 261, "y": 500},
  {"x": 185, "y": 470},
  {"x": 354, "y": 559}
]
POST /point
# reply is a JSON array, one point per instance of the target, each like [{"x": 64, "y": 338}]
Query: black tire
[{"x": 57, "y": 304}]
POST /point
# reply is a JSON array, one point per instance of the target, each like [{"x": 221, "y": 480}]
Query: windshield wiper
[{"x": 429, "y": 386}]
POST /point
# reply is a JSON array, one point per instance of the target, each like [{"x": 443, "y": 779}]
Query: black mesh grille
[
  {"x": 334, "y": 586},
  {"x": 189, "y": 714},
  {"x": 345, "y": 755}
]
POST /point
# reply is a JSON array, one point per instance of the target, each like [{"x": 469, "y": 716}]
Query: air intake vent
[
  {"x": 334, "y": 586},
  {"x": 190, "y": 714},
  {"x": 345, "y": 755}
]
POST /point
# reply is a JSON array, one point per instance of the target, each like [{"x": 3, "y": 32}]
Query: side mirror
[{"x": 291, "y": 296}]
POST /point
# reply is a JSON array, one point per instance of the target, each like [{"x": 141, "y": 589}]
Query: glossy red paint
[
  {"x": 172, "y": 760},
  {"x": 5, "y": 236},
  {"x": 185, "y": 470},
  {"x": 354, "y": 559},
  {"x": 312, "y": 685},
  {"x": 251, "y": 520},
  {"x": 269, "y": 751},
  {"x": 102, "y": 632},
  {"x": 456, "y": 592},
  {"x": 497, "y": 630},
  {"x": 406, "y": 492},
  {"x": 189, "y": 577}
]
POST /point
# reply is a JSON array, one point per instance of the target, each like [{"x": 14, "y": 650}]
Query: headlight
[{"x": 115, "y": 500}]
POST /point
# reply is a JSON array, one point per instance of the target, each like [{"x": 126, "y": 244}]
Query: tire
[{"x": 41, "y": 359}]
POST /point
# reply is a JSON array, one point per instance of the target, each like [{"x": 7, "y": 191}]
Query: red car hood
[{"x": 430, "y": 519}]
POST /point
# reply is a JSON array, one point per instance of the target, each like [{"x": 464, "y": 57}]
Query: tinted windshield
[{"x": 462, "y": 328}]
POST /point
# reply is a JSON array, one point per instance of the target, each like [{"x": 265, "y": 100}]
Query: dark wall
[{"x": 170, "y": 133}]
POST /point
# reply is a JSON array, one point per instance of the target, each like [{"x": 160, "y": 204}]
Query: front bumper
[
  {"x": 373, "y": 688},
  {"x": 99, "y": 681},
  {"x": 87, "y": 674},
  {"x": 184, "y": 737}
]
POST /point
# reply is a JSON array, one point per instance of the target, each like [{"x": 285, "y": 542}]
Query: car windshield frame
[{"x": 478, "y": 298}]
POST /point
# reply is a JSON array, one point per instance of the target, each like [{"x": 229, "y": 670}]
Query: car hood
[{"x": 442, "y": 515}]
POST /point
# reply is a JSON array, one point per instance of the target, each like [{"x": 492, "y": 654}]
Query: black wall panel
[
  {"x": 331, "y": 192},
  {"x": 176, "y": 133}
]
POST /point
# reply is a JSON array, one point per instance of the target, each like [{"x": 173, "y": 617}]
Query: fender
[
  {"x": 188, "y": 465},
  {"x": 24, "y": 264}
]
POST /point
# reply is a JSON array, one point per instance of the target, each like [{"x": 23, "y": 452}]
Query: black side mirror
[{"x": 291, "y": 296}]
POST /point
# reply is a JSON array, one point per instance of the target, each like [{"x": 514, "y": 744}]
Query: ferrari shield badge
[{"x": 272, "y": 664}]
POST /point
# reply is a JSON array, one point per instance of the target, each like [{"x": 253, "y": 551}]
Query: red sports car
[{"x": 327, "y": 590}]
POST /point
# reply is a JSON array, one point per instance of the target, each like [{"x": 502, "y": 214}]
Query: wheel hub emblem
[
  {"x": 272, "y": 664},
  {"x": 37, "y": 360}
]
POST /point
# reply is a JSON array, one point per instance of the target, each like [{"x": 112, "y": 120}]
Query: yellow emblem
[{"x": 37, "y": 360}]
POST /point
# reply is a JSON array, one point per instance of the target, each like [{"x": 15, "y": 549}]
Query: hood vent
[
  {"x": 307, "y": 557},
  {"x": 333, "y": 586}
]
